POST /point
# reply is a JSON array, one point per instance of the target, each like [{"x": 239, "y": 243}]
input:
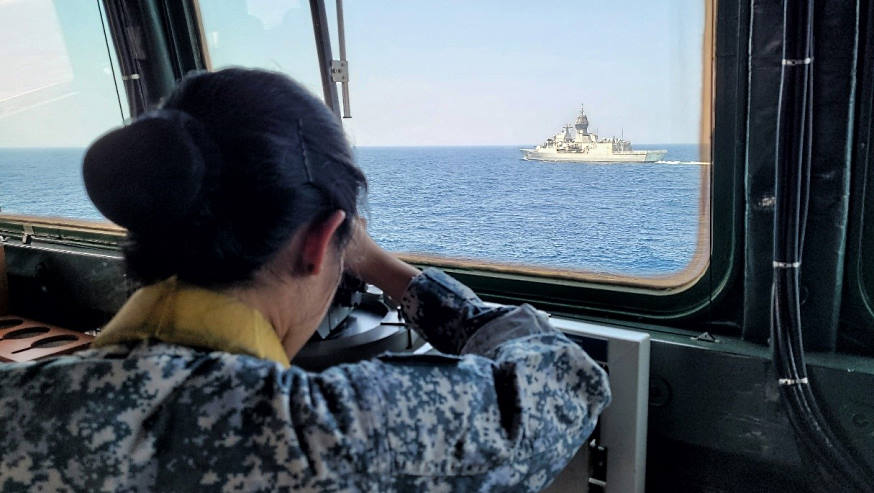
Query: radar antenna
[{"x": 582, "y": 123}]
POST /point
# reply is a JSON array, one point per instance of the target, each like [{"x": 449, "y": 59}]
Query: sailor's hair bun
[
  {"x": 146, "y": 176},
  {"x": 214, "y": 184}
]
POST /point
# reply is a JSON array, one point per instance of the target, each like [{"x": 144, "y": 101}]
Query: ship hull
[{"x": 579, "y": 157}]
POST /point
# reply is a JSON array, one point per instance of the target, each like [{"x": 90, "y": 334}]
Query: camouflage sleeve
[
  {"x": 469, "y": 423},
  {"x": 446, "y": 312},
  {"x": 509, "y": 414}
]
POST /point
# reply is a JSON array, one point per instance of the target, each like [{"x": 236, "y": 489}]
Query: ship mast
[{"x": 582, "y": 123}]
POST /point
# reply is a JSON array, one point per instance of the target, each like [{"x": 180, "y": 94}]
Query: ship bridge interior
[{"x": 750, "y": 367}]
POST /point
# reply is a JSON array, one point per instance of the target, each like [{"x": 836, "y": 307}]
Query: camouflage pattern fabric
[{"x": 505, "y": 413}]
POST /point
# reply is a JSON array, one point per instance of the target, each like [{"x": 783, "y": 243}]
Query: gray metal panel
[{"x": 623, "y": 424}]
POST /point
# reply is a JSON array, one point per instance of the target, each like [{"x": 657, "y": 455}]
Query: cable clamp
[
  {"x": 792, "y": 63},
  {"x": 793, "y": 381},
  {"x": 786, "y": 265}
]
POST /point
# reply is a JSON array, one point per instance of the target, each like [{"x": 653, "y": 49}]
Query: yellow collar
[{"x": 177, "y": 313}]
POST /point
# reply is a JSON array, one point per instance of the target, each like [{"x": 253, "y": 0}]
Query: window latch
[{"x": 340, "y": 71}]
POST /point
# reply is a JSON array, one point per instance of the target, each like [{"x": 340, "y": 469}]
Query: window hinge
[{"x": 340, "y": 71}]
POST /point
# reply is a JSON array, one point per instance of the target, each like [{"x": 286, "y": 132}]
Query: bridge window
[
  {"x": 567, "y": 141},
  {"x": 274, "y": 35},
  {"x": 444, "y": 97},
  {"x": 58, "y": 92}
]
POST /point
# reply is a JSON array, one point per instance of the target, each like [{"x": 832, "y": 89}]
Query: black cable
[
  {"x": 836, "y": 465},
  {"x": 109, "y": 56}
]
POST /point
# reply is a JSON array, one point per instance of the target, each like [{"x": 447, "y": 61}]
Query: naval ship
[{"x": 581, "y": 146}]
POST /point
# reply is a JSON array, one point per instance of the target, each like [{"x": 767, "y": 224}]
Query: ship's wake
[{"x": 682, "y": 162}]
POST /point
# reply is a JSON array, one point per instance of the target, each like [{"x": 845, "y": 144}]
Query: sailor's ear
[{"x": 317, "y": 239}]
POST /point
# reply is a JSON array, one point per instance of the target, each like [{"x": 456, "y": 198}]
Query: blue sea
[{"x": 468, "y": 202}]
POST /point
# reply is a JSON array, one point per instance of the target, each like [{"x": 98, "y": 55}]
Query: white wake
[{"x": 683, "y": 162}]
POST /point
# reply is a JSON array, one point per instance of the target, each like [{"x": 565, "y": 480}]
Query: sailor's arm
[{"x": 510, "y": 411}]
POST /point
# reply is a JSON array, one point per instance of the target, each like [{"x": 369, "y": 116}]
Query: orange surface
[{"x": 23, "y": 339}]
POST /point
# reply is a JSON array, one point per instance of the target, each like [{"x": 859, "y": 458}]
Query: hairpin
[{"x": 303, "y": 150}]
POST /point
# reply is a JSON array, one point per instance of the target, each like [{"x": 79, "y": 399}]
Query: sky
[
  {"x": 482, "y": 72},
  {"x": 56, "y": 86},
  {"x": 512, "y": 72}
]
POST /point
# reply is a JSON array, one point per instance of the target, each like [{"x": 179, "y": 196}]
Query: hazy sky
[
  {"x": 512, "y": 72},
  {"x": 56, "y": 86},
  {"x": 422, "y": 72}
]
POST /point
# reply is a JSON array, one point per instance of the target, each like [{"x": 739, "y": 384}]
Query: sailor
[{"x": 240, "y": 197}]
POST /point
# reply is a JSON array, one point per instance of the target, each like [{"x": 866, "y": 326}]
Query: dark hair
[{"x": 214, "y": 183}]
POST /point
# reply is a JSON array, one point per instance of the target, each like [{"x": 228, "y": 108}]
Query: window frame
[{"x": 639, "y": 301}]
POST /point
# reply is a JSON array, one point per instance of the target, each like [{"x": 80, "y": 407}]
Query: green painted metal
[
  {"x": 764, "y": 75},
  {"x": 716, "y": 422},
  {"x": 856, "y": 334}
]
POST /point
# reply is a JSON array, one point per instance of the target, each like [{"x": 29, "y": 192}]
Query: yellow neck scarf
[{"x": 177, "y": 313}]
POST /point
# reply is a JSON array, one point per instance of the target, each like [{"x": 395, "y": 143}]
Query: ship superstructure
[{"x": 574, "y": 143}]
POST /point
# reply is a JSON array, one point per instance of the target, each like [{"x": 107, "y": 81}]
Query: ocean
[{"x": 483, "y": 203}]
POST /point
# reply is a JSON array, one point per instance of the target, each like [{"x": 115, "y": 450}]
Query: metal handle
[{"x": 344, "y": 64}]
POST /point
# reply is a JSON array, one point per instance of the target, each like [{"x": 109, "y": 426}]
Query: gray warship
[{"x": 574, "y": 143}]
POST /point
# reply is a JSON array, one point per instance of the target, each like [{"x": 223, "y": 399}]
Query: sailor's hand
[
  {"x": 370, "y": 263},
  {"x": 361, "y": 250}
]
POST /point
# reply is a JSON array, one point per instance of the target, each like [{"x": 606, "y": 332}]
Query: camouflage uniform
[{"x": 503, "y": 410}]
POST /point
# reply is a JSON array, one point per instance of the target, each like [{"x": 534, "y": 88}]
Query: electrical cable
[{"x": 834, "y": 462}]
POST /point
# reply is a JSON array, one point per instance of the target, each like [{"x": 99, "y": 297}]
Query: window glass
[
  {"x": 445, "y": 96},
  {"x": 507, "y": 132},
  {"x": 57, "y": 93},
  {"x": 270, "y": 34}
]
